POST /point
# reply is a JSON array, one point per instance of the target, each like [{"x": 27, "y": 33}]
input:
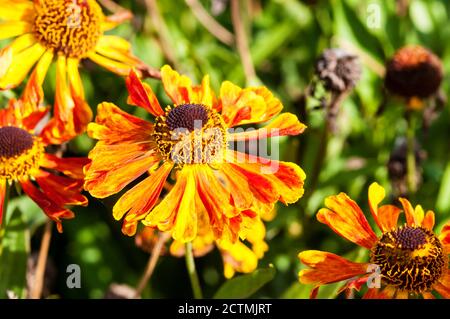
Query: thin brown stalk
[
  {"x": 163, "y": 238},
  {"x": 210, "y": 24},
  {"x": 149, "y": 72},
  {"x": 36, "y": 291},
  {"x": 161, "y": 30},
  {"x": 242, "y": 42},
  {"x": 112, "y": 6}
]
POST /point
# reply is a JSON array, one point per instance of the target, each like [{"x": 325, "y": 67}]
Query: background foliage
[{"x": 285, "y": 38}]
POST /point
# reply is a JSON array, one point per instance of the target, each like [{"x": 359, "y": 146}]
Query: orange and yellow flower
[
  {"x": 406, "y": 261},
  {"x": 68, "y": 31},
  {"x": 51, "y": 181},
  {"x": 188, "y": 144}
]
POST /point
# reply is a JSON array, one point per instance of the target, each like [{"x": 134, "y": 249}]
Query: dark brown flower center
[
  {"x": 410, "y": 258},
  {"x": 191, "y": 134},
  {"x": 14, "y": 141},
  {"x": 187, "y": 116}
]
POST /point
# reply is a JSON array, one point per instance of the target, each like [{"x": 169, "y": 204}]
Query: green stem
[
  {"x": 411, "y": 156},
  {"x": 190, "y": 264},
  {"x": 3, "y": 221}
]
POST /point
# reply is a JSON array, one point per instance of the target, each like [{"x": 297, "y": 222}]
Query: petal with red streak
[
  {"x": 327, "y": 268},
  {"x": 62, "y": 190},
  {"x": 142, "y": 95},
  {"x": 50, "y": 208},
  {"x": 345, "y": 218},
  {"x": 138, "y": 201}
]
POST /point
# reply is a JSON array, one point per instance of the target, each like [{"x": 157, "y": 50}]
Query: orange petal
[
  {"x": 428, "y": 295},
  {"x": 259, "y": 184},
  {"x": 62, "y": 190},
  {"x": 445, "y": 236},
  {"x": 62, "y": 126},
  {"x": 115, "y": 166},
  {"x": 238, "y": 185},
  {"x": 50, "y": 208},
  {"x": 215, "y": 198},
  {"x": 345, "y": 218},
  {"x": 286, "y": 178},
  {"x": 178, "y": 87},
  {"x": 70, "y": 166},
  {"x": 284, "y": 124},
  {"x": 116, "y": 126},
  {"x": 386, "y": 216},
  {"x": 139, "y": 200},
  {"x": 376, "y": 293},
  {"x": 244, "y": 106},
  {"x": 428, "y": 221},
  {"x": 327, "y": 268},
  {"x": 177, "y": 211},
  {"x": 413, "y": 217},
  {"x": 443, "y": 285},
  {"x": 142, "y": 95}
]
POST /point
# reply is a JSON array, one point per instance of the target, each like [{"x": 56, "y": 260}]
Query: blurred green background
[{"x": 285, "y": 39}]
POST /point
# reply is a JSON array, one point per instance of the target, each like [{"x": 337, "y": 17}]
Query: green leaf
[
  {"x": 246, "y": 285},
  {"x": 13, "y": 256},
  {"x": 442, "y": 203},
  {"x": 31, "y": 212}
]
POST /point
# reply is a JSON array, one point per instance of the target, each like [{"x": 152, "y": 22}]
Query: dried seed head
[
  {"x": 413, "y": 72},
  {"x": 338, "y": 70}
]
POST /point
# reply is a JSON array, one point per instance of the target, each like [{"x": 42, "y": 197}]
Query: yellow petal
[
  {"x": 20, "y": 66},
  {"x": 111, "y": 65},
  {"x": 76, "y": 84},
  {"x": 16, "y": 10},
  {"x": 186, "y": 221},
  {"x": 116, "y": 48},
  {"x": 12, "y": 29}
]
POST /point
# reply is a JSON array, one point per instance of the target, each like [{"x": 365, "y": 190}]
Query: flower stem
[
  {"x": 411, "y": 156},
  {"x": 36, "y": 291},
  {"x": 242, "y": 42},
  {"x": 190, "y": 264},
  {"x": 156, "y": 252},
  {"x": 3, "y": 215},
  {"x": 214, "y": 27}
]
